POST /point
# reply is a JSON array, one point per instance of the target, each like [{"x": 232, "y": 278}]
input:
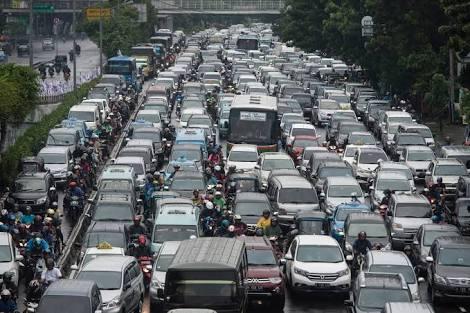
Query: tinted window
[
  {"x": 105, "y": 280},
  {"x": 319, "y": 254},
  {"x": 297, "y": 195},
  {"x": 370, "y": 298},
  {"x": 406, "y": 271},
  {"x": 454, "y": 257},
  {"x": 56, "y": 304},
  {"x": 372, "y": 157},
  {"x": 260, "y": 257}
]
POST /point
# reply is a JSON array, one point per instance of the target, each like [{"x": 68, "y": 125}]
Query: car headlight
[
  {"x": 397, "y": 225},
  {"x": 440, "y": 280},
  {"x": 344, "y": 272},
  {"x": 348, "y": 247},
  {"x": 388, "y": 246},
  {"x": 300, "y": 271},
  {"x": 157, "y": 284},
  {"x": 41, "y": 200},
  {"x": 113, "y": 303},
  {"x": 275, "y": 280}
]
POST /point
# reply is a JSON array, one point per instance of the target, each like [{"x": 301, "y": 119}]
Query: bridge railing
[{"x": 222, "y": 5}]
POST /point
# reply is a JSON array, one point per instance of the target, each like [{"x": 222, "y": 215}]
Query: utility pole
[
  {"x": 101, "y": 37},
  {"x": 30, "y": 43},
  {"x": 451, "y": 86},
  {"x": 74, "y": 34}
]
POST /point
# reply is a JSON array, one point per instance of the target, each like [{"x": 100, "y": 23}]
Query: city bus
[
  {"x": 253, "y": 120},
  {"x": 126, "y": 67},
  {"x": 246, "y": 42}
]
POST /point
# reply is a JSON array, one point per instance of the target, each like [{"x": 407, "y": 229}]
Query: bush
[{"x": 32, "y": 141}]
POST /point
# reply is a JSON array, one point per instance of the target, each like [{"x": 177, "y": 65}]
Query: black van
[
  {"x": 207, "y": 273},
  {"x": 77, "y": 296}
]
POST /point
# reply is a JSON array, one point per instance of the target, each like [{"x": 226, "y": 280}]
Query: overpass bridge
[{"x": 219, "y": 7}]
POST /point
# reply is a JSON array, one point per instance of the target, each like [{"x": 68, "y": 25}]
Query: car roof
[
  {"x": 320, "y": 240},
  {"x": 388, "y": 257},
  {"x": 55, "y": 149},
  {"x": 410, "y": 198},
  {"x": 108, "y": 264},
  {"x": 83, "y": 108},
  {"x": 392, "y": 165},
  {"x": 302, "y": 125},
  {"x": 363, "y": 133},
  {"x": 63, "y": 130},
  {"x": 70, "y": 287},
  {"x": 108, "y": 227},
  {"x": 256, "y": 242},
  {"x": 176, "y": 219},
  {"x": 251, "y": 197},
  {"x": 275, "y": 155},
  {"x": 176, "y": 200},
  {"x": 449, "y": 161},
  {"x": 129, "y": 160},
  {"x": 454, "y": 241},
  {"x": 440, "y": 227},
  {"x": 293, "y": 181},
  {"x": 417, "y": 148},
  {"x": 391, "y": 175},
  {"x": 342, "y": 181},
  {"x": 244, "y": 147},
  {"x": 397, "y": 113},
  {"x": 339, "y": 163},
  {"x": 363, "y": 216}
]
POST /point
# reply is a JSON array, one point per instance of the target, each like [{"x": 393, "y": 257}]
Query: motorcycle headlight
[
  {"x": 348, "y": 247},
  {"x": 440, "y": 280},
  {"x": 300, "y": 271},
  {"x": 113, "y": 303},
  {"x": 344, "y": 272},
  {"x": 41, "y": 200},
  {"x": 275, "y": 280}
]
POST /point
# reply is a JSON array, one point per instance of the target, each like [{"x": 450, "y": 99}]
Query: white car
[
  {"x": 10, "y": 257},
  {"x": 243, "y": 157},
  {"x": 300, "y": 129},
  {"x": 316, "y": 262},
  {"x": 350, "y": 151},
  {"x": 338, "y": 190},
  {"x": 366, "y": 161},
  {"x": 269, "y": 161}
]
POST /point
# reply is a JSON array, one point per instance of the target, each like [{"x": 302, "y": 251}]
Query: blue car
[{"x": 339, "y": 216}]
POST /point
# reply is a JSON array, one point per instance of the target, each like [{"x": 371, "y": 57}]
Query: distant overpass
[{"x": 219, "y": 7}]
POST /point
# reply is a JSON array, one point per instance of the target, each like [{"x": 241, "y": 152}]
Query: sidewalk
[{"x": 455, "y": 132}]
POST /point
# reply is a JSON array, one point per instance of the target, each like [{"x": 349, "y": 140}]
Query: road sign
[
  {"x": 43, "y": 8},
  {"x": 94, "y": 13}
]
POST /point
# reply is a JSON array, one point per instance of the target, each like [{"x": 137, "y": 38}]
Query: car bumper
[
  {"x": 402, "y": 239},
  {"x": 452, "y": 292},
  {"x": 113, "y": 310},
  {"x": 302, "y": 283},
  {"x": 264, "y": 295}
]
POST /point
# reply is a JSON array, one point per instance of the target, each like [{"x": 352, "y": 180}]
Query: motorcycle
[
  {"x": 208, "y": 226},
  {"x": 75, "y": 208},
  {"x": 33, "y": 296},
  {"x": 145, "y": 263},
  {"x": 31, "y": 268},
  {"x": 166, "y": 147}
]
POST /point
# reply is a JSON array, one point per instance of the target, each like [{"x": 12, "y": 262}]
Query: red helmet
[
  {"x": 72, "y": 184},
  {"x": 142, "y": 240}
]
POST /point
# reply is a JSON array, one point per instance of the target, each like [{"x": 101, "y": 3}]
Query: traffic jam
[{"x": 224, "y": 171}]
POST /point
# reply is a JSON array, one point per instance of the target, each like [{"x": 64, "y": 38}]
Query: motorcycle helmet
[
  {"x": 50, "y": 212},
  {"x": 439, "y": 180},
  {"x": 28, "y": 210},
  {"x": 237, "y": 217},
  {"x": 217, "y": 168},
  {"x": 266, "y": 212},
  {"x": 8, "y": 276},
  {"x": 37, "y": 242},
  {"x": 37, "y": 219},
  {"x": 54, "y": 205},
  {"x": 274, "y": 220},
  {"x": 209, "y": 205},
  {"x": 225, "y": 224},
  {"x": 6, "y": 293}
]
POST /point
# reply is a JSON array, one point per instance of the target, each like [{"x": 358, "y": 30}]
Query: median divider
[{"x": 72, "y": 247}]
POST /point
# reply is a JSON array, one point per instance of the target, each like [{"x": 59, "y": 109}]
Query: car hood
[
  {"x": 90, "y": 125},
  {"x": 28, "y": 195},
  {"x": 294, "y": 208},
  {"x": 242, "y": 165},
  {"x": 108, "y": 295},
  {"x": 335, "y": 201},
  {"x": 418, "y": 165},
  {"x": 54, "y": 168},
  {"x": 411, "y": 222},
  {"x": 316, "y": 267},
  {"x": 263, "y": 271},
  {"x": 452, "y": 271},
  {"x": 450, "y": 179}
]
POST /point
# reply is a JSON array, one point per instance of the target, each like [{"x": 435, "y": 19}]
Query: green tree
[
  {"x": 465, "y": 104},
  {"x": 19, "y": 90},
  {"x": 438, "y": 96},
  {"x": 458, "y": 26}
]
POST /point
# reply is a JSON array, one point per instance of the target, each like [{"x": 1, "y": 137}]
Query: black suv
[
  {"x": 31, "y": 189},
  {"x": 449, "y": 269},
  {"x": 371, "y": 291}
]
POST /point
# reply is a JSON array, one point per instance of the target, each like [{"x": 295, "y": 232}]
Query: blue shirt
[
  {"x": 27, "y": 219},
  {"x": 8, "y": 306},
  {"x": 31, "y": 247}
]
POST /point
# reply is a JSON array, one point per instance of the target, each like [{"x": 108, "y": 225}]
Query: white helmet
[
  {"x": 209, "y": 205},
  {"x": 5, "y": 292}
]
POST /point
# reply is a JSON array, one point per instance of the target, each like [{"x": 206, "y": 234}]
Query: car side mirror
[
  {"x": 282, "y": 261},
  {"x": 127, "y": 286},
  {"x": 348, "y": 303},
  {"x": 288, "y": 256},
  {"x": 421, "y": 280},
  {"x": 389, "y": 213},
  {"x": 429, "y": 259},
  {"x": 416, "y": 243},
  {"x": 349, "y": 258}
]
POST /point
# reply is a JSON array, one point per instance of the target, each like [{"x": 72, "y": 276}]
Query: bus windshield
[
  {"x": 119, "y": 67},
  {"x": 255, "y": 127},
  {"x": 247, "y": 44}
]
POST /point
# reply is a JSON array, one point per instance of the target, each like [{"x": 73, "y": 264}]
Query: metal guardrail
[
  {"x": 75, "y": 239},
  {"x": 219, "y": 5}
]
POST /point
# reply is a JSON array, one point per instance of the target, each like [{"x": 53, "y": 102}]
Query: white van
[{"x": 88, "y": 113}]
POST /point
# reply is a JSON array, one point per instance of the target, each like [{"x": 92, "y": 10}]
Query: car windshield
[
  {"x": 375, "y": 298},
  {"x": 23, "y": 185},
  {"x": 277, "y": 164},
  {"x": 251, "y": 208},
  {"x": 199, "y": 121},
  {"x": 50, "y": 158},
  {"x": 393, "y": 184},
  {"x": 106, "y": 280},
  {"x": 425, "y": 132},
  {"x": 314, "y": 227},
  {"x": 342, "y": 191},
  {"x": 302, "y": 143},
  {"x": 372, "y": 157},
  {"x": 329, "y": 105},
  {"x": 185, "y": 183},
  {"x": 60, "y": 140},
  {"x": 56, "y": 304},
  {"x": 151, "y": 118},
  {"x": 400, "y": 119},
  {"x": 243, "y": 156},
  {"x": 82, "y": 115},
  {"x": 163, "y": 233},
  {"x": 431, "y": 235},
  {"x": 113, "y": 212},
  {"x": 138, "y": 168},
  {"x": 420, "y": 156},
  {"x": 260, "y": 257},
  {"x": 406, "y": 271},
  {"x": 342, "y": 214},
  {"x": 450, "y": 170},
  {"x": 349, "y": 128},
  {"x": 350, "y": 151},
  {"x": 325, "y": 172},
  {"x": 154, "y": 136},
  {"x": 114, "y": 239},
  {"x": 410, "y": 140},
  {"x": 414, "y": 210},
  {"x": 185, "y": 155},
  {"x": 297, "y": 195},
  {"x": 339, "y": 98},
  {"x": 163, "y": 262},
  {"x": 454, "y": 257},
  {"x": 319, "y": 254},
  {"x": 373, "y": 230},
  {"x": 361, "y": 140},
  {"x": 5, "y": 254}
]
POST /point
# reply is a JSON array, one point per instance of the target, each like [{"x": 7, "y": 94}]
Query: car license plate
[
  {"x": 254, "y": 287},
  {"x": 322, "y": 285},
  {"x": 464, "y": 290}
]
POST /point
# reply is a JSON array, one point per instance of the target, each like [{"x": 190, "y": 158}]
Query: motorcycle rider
[
  {"x": 36, "y": 227},
  {"x": 52, "y": 194},
  {"x": 37, "y": 246},
  {"x": 209, "y": 216},
  {"x": 17, "y": 213},
  {"x": 219, "y": 173},
  {"x": 23, "y": 234},
  {"x": 142, "y": 248},
  {"x": 197, "y": 199},
  {"x": 240, "y": 227},
  {"x": 210, "y": 177},
  {"x": 167, "y": 134},
  {"x": 387, "y": 197},
  {"x": 361, "y": 244},
  {"x": 137, "y": 228},
  {"x": 76, "y": 191},
  {"x": 28, "y": 216},
  {"x": 273, "y": 230},
  {"x": 149, "y": 188},
  {"x": 9, "y": 284},
  {"x": 7, "y": 304},
  {"x": 265, "y": 220},
  {"x": 219, "y": 200},
  {"x": 222, "y": 230},
  {"x": 51, "y": 274},
  {"x": 438, "y": 190}
]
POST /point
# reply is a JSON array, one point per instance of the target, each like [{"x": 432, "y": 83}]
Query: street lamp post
[
  {"x": 74, "y": 34},
  {"x": 30, "y": 43},
  {"x": 101, "y": 37}
]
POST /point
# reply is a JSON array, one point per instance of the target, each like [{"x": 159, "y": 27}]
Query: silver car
[
  {"x": 120, "y": 281},
  {"x": 417, "y": 158},
  {"x": 269, "y": 161},
  {"x": 9, "y": 257}
]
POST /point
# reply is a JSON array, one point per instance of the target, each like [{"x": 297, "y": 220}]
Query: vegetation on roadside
[{"x": 34, "y": 137}]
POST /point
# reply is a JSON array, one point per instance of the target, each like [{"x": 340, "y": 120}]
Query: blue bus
[{"x": 126, "y": 67}]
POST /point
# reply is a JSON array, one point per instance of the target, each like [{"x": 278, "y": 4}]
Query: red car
[{"x": 296, "y": 148}]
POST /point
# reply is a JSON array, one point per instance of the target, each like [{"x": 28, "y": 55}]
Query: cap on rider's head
[
  {"x": 218, "y": 194},
  {"x": 237, "y": 217},
  {"x": 137, "y": 218}
]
